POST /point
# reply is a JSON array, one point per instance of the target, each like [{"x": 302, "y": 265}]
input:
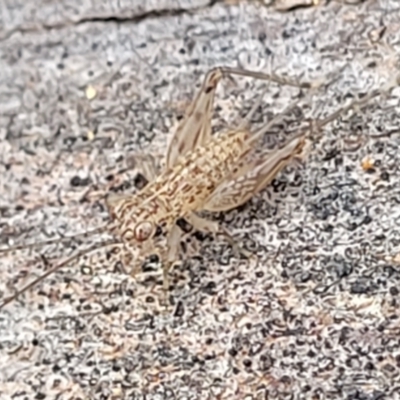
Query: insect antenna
[
  {"x": 58, "y": 240},
  {"x": 262, "y": 131},
  {"x": 56, "y": 268},
  {"x": 342, "y": 110},
  {"x": 245, "y": 124},
  {"x": 317, "y": 125}
]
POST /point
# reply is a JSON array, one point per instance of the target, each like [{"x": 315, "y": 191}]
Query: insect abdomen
[{"x": 203, "y": 169}]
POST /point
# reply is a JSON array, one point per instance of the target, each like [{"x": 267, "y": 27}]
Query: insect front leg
[
  {"x": 132, "y": 255},
  {"x": 171, "y": 254},
  {"x": 213, "y": 227},
  {"x": 195, "y": 128},
  {"x": 147, "y": 165}
]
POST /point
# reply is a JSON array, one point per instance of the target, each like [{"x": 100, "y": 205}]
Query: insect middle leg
[{"x": 205, "y": 225}]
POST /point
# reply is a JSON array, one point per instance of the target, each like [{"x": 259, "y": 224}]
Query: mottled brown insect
[{"x": 202, "y": 172}]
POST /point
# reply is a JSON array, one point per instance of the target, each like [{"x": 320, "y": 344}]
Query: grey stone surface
[{"x": 315, "y": 317}]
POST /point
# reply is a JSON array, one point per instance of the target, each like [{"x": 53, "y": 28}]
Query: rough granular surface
[{"x": 315, "y": 315}]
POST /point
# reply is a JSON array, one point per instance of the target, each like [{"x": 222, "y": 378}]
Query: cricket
[{"x": 202, "y": 172}]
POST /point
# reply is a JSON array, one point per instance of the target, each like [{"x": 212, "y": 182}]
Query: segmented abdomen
[{"x": 199, "y": 172}]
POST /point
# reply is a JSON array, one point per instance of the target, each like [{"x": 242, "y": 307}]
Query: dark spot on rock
[
  {"x": 69, "y": 140},
  {"x": 359, "y": 287},
  {"x": 285, "y": 379},
  {"x": 200, "y": 236},
  {"x": 369, "y": 366},
  {"x": 331, "y": 154},
  {"x": 116, "y": 368},
  {"x": 352, "y": 227},
  {"x": 140, "y": 181},
  {"x": 247, "y": 363},
  {"x": 259, "y": 274},
  {"x": 56, "y": 368},
  {"x": 394, "y": 291},
  {"x": 266, "y": 362},
  {"x": 262, "y": 36},
  {"x": 385, "y": 176},
  {"x": 367, "y": 220},
  {"x": 76, "y": 181},
  {"x": 340, "y": 268},
  {"x": 154, "y": 258},
  {"x": 305, "y": 277},
  {"x": 209, "y": 288},
  {"x": 150, "y": 299},
  {"x": 389, "y": 367},
  {"x": 184, "y": 225},
  {"x": 268, "y": 51},
  {"x": 311, "y": 354},
  {"x": 179, "y": 309}
]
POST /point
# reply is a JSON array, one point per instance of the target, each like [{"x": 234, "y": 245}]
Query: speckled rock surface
[{"x": 316, "y": 316}]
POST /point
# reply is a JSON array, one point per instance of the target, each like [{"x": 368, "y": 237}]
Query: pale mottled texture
[{"x": 316, "y": 317}]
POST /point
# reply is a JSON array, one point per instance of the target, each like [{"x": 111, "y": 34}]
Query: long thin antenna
[
  {"x": 342, "y": 110},
  {"x": 253, "y": 138},
  {"x": 245, "y": 124},
  {"x": 328, "y": 81},
  {"x": 56, "y": 268},
  {"x": 51, "y": 241},
  {"x": 318, "y": 124},
  {"x": 357, "y": 103}
]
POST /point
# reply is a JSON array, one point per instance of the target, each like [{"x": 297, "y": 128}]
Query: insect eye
[{"x": 144, "y": 231}]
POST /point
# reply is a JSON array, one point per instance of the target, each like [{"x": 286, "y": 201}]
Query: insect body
[
  {"x": 180, "y": 190},
  {"x": 202, "y": 172}
]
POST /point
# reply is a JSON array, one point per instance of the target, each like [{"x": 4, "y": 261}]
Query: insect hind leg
[{"x": 281, "y": 80}]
